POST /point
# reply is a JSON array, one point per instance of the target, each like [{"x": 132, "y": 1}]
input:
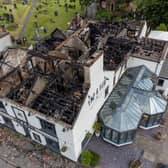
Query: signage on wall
[{"x": 92, "y": 98}]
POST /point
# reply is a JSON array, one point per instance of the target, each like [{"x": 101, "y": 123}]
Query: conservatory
[
  {"x": 131, "y": 104},
  {"x": 153, "y": 106}
]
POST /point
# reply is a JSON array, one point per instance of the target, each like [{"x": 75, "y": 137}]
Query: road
[{"x": 26, "y": 21}]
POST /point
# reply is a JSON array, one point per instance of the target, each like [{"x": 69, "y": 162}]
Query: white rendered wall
[
  {"x": 144, "y": 31},
  {"x": 88, "y": 113},
  {"x": 153, "y": 66},
  {"x": 19, "y": 128},
  {"x": 5, "y": 42},
  {"x": 65, "y": 138},
  {"x": 43, "y": 140}
]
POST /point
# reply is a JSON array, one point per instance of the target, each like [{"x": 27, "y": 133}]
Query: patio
[{"x": 146, "y": 145}]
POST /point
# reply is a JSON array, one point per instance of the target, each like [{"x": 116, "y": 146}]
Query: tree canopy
[
  {"x": 155, "y": 12},
  {"x": 85, "y": 3}
]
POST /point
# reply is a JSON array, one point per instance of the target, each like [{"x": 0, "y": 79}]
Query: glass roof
[{"x": 132, "y": 97}]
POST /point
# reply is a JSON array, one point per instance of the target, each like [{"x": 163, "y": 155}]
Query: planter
[
  {"x": 97, "y": 134},
  {"x": 159, "y": 136},
  {"x": 135, "y": 164},
  {"x": 64, "y": 149},
  {"x": 97, "y": 128}
]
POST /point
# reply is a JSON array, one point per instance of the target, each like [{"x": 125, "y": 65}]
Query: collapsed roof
[{"x": 50, "y": 78}]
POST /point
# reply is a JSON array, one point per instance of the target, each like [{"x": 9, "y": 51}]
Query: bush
[
  {"x": 104, "y": 15},
  {"x": 89, "y": 158},
  {"x": 162, "y": 27},
  {"x": 89, "y": 135},
  {"x": 135, "y": 164},
  {"x": 64, "y": 149},
  {"x": 97, "y": 126},
  {"x": 12, "y": 27}
]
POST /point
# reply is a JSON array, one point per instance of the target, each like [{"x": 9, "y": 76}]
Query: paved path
[
  {"x": 4, "y": 164},
  {"x": 155, "y": 151},
  {"x": 113, "y": 157},
  {"x": 26, "y": 21}
]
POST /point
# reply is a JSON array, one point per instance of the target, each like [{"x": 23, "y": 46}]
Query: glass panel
[
  {"x": 115, "y": 136},
  {"x": 107, "y": 133},
  {"x": 123, "y": 137},
  {"x": 2, "y": 108},
  {"x": 130, "y": 136},
  {"x": 157, "y": 119},
  {"x": 144, "y": 120},
  {"x": 151, "y": 121},
  {"x": 48, "y": 127}
]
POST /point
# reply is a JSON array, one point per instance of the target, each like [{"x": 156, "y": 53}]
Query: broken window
[
  {"x": 2, "y": 107},
  {"x": 36, "y": 137},
  {"x": 47, "y": 127},
  {"x": 160, "y": 82},
  {"x": 106, "y": 91}
]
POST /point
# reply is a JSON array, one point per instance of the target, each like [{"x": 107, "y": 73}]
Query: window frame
[
  {"x": 45, "y": 127},
  {"x": 36, "y": 137},
  {"x": 160, "y": 82}
]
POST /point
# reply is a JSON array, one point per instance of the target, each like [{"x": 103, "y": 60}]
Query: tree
[
  {"x": 155, "y": 12},
  {"x": 162, "y": 27},
  {"x": 85, "y": 3}
]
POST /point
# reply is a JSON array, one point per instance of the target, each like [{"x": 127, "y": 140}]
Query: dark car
[{"x": 161, "y": 165}]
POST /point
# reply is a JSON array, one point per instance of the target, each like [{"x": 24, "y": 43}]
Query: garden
[
  {"x": 12, "y": 15},
  {"x": 48, "y": 15}
]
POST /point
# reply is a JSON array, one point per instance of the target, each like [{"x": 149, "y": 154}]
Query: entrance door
[
  {"x": 53, "y": 145},
  {"x": 8, "y": 122}
]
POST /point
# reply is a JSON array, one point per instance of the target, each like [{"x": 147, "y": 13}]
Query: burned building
[{"x": 54, "y": 91}]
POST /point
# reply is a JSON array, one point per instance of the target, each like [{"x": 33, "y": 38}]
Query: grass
[
  {"x": 19, "y": 16},
  {"x": 46, "y": 18}
]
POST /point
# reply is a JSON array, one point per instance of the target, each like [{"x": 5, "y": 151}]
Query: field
[
  {"x": 19, "y": 13},
  {"x": 49, "y": 15}
]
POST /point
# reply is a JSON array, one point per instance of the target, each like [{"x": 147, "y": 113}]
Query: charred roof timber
[{"x": 50, "y": 77}]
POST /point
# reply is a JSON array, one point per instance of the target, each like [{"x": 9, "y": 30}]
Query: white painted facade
[
  {"x": 155, "y": 67},
  {"x": 101, "y": 81},
  {"x": 5, "y": 42},
  {"x": 72, "y": 138}
]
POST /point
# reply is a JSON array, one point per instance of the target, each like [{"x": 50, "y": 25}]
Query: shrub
[
  {"x": 162, "y": 27},
  {"x": 97, "y": 126},
  {"x": 64, "y": 149},
  {"x": 135, "y": 164},
  {"x": 103, "y": 15},
  {"x": 89, "y": 135},
  {"x": 89, "y": 158}
]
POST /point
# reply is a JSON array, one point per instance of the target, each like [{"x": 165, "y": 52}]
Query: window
[
  {"x": 160, "y": 82},
  {"x": 19, "y": 114},
  {"x": 130, "y": 136},
  {"x": 144, "y": 120},
  {"x": 53, "y": 145},
  {"x": 48, "y": 127},
  {"x": 106, "y": 91},
  {"x": 8, "y": 122},
  {"x": 107, "y": 133},
  {"x": 123, "y": 137},
  {"x": 36, "y": 137},
  {"x": 115, "y": 136},
  {"x": 157, "y": 119},
  {"x": 2, "y": 107}
]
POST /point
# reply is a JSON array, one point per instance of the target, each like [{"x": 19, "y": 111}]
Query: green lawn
[
  {"x": 19, "y": 16},
  {"x": 46, "y": 18}
]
